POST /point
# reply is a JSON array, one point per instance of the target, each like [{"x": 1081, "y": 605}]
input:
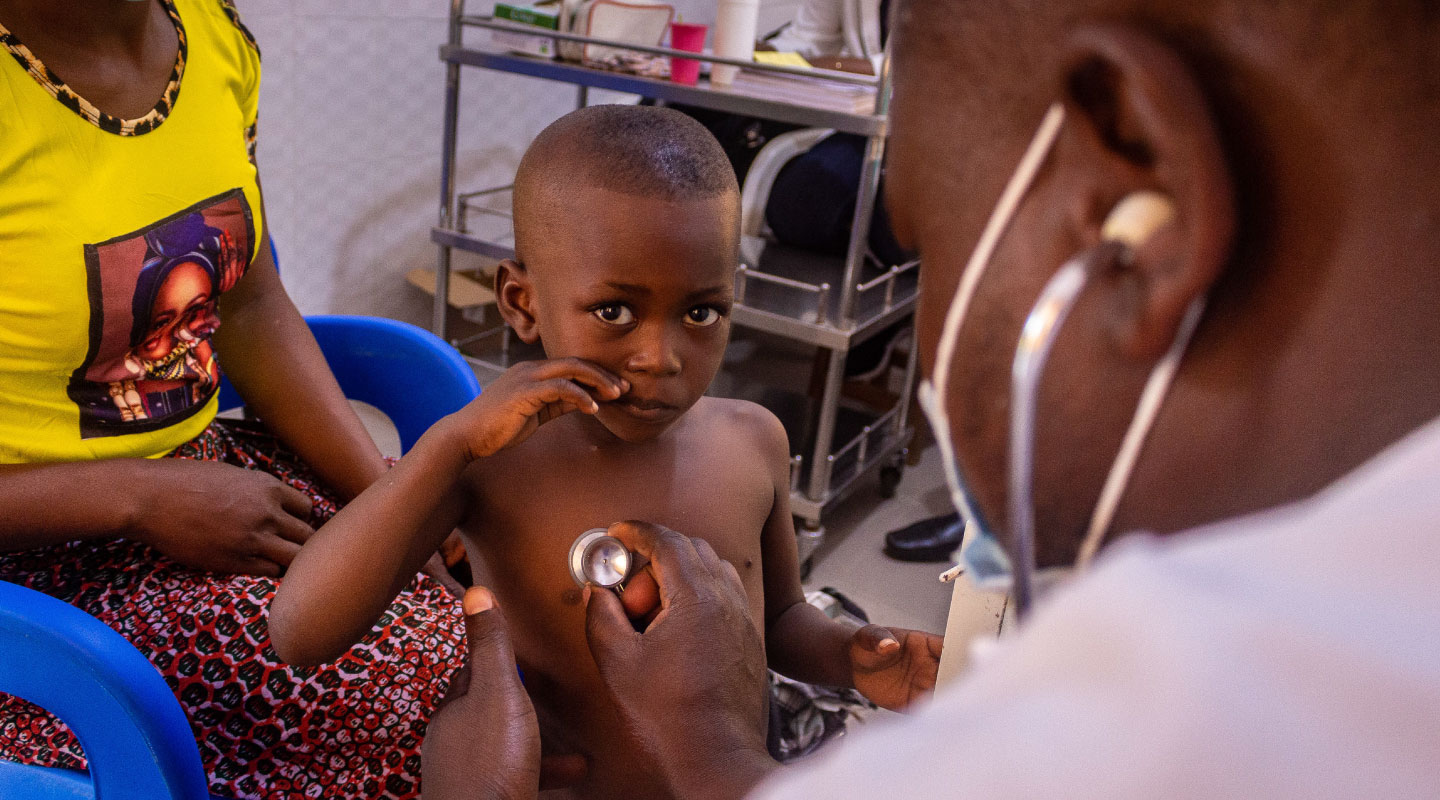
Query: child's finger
[
  {"x": 606, "y": 383},
  {"x": 557, "y": 391},
  {"x": 878, "y": 640}
]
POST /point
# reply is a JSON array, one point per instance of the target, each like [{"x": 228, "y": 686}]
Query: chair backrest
[
  {"x": 765, "y": 168},
  {"x": 136, "y": 738},
  {"x": 410, "y": 374}
]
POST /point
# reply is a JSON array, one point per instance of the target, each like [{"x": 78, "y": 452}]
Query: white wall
[{"x": 350, "y": 113}]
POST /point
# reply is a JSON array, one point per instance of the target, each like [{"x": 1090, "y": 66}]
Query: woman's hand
[
  {"x": 221, "y": 518},
  {"x": 527, "y": 396},
  {"x": 483, "y": 740},
  {"x": 894, "y": 667}
]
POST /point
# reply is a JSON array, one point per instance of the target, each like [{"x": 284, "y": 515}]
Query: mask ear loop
[
  {"x": 1156, "y": 387},
  {"x": 989, "y": 239},
  {"x": 1131, "y": 223},
  {"x": 933, "y": 392}
]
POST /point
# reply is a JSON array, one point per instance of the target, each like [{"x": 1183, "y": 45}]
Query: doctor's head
[
  {"x": 627, "y": 236},
  {"x": 1293, "y": 142}
]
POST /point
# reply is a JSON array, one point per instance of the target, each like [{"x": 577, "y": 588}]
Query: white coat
[{"x": 1292, "y": 653}]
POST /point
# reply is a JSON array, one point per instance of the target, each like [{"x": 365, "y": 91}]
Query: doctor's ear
[
  {"x": 515, "y": 297},
  {"x": 1155, "y": 178}
]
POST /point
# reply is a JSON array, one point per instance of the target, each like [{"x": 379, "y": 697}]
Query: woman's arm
[
  {"x": 269, "y": 354},
  {"x": 44, "y": 504},
  {"x": 206, "y": 515}
]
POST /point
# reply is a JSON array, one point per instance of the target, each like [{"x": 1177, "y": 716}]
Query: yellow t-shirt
[{"x": 116, "y": 239}]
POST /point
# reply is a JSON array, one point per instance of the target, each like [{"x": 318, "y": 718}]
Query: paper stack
[{"x": 803, "y": 90}]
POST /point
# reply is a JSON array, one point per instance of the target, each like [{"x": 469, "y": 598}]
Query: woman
[{"x": 134, "y": 258}]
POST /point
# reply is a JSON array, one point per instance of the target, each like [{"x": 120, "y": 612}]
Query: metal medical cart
[{"x": 829, "y": 303}]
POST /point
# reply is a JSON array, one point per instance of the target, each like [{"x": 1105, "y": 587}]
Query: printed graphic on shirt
[{"x": 153, "y": 300}]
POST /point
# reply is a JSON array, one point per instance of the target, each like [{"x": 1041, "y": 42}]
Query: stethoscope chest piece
[{"x": 600, "y": 559}]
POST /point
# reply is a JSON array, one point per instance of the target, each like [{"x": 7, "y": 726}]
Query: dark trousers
[{"x": 812, "y": 202}]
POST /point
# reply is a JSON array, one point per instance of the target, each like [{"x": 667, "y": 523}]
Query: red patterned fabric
[{"x": 348, "y": 729}]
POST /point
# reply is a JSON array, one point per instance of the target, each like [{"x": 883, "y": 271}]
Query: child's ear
[{"x": 515, "y": 296}]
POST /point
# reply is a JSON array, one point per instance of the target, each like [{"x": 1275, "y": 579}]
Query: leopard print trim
[
  {"x": 251, "y": 139},
  {"x": 228, "y": 6},
  {"x": 106, "y": 122}
]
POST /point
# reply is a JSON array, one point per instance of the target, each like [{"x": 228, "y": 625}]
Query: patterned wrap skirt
[{"x": 351, "y": 728}]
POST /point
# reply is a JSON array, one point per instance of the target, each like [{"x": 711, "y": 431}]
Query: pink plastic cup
[{"x": 684, "y": 36}]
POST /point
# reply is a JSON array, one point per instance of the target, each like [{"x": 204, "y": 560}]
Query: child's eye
[
  {"x": 702, "y": 316},
  {"x": 614, "y": 314}
]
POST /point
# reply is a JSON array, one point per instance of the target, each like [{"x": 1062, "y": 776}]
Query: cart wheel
[{"x": 889, "y": 480}]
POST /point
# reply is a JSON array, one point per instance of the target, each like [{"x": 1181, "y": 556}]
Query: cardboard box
[{"x": 546, "y": 17}]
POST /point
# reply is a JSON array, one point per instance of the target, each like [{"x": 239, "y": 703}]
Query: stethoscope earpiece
[{"x": 1136, "y": 217}]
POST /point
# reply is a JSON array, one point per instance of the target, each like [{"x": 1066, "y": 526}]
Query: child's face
[{"x": 643, "y": 287}]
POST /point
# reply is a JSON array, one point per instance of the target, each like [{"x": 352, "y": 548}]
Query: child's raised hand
[
  {"x": 527, "y": 396},
  {"x": 894, "y": 667}
]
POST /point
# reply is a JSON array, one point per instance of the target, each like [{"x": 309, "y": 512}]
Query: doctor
[{"x": 1244, "y": 197}]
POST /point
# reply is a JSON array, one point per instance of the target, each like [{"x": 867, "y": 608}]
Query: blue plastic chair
[
  {"x": 407, "y": 372},
  {"x": 131, "y": 727}
]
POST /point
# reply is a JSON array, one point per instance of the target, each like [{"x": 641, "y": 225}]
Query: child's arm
[
  {"x": 891, "y": 666},
  {"x": 354, "y": 566},
  {"x": 800, "y": 641}
]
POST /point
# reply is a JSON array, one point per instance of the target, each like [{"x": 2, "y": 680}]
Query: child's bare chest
[
  {"x": 531, "y": 508},
  {"x": 542, "y": 505},
  {"x": 531, "y": 504}
]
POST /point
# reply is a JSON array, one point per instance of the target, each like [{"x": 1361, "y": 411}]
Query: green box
[{"x": 529, "y": 15}]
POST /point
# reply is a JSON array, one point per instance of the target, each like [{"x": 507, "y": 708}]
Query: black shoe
[
  {"x": 931, "y": 539},
  {"x": 851, "y": 607}
]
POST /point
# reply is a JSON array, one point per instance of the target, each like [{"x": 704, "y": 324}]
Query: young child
[{"x": 626, "y": 232}]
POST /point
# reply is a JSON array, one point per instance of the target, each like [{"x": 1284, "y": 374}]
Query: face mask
[{"x": 982, "y": 557}]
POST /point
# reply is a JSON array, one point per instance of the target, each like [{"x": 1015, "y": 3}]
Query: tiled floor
[{"x": 850, "y": 559}]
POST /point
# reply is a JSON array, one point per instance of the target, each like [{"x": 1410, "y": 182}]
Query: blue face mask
[{"x": 982, "y": 557}]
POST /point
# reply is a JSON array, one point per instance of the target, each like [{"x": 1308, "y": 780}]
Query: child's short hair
[{"x": 643, "y": 150}]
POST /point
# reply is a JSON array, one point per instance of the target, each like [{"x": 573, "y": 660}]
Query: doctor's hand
[
  {"x": 692, "y": 686},
  {"x": 527, "y": 396},
  {"x": 483, "y": 740},
  {"x": 894, "y": 667}
]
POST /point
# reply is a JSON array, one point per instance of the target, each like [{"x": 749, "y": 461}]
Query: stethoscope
[{"x": 599, "y": 559}]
